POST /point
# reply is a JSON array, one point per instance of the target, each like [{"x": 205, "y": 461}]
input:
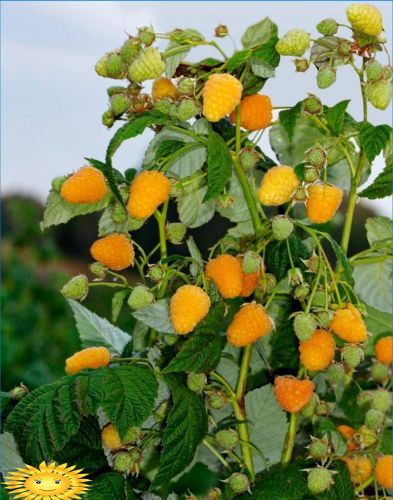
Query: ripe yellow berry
[
  {"x": 360, "y": 468},
  {"x": 348, "y": 324},
  {"x": 293, "y": 394},
  {"x": 384, "y": 471},
  {"x": 365, "y": 18},
  {"x": 322, "y": 202},
  {"x": 250, "y": 281},
  {"x": 110, "y": 437},
  {"x": 92, "y": 357},
  {"x": 115, "y": 251},
  {"x": 221, "y": 94},
  {"x": 317, "y": 352},
  {"x": 255, "y": 112},
  {"x": 249, "y": 324},
  {"x": 87, "y": 185},
  {"x": 277, "y": 186},
  {"x": 148, "y": 190},
  {"x": 383, "y": 350},
  {"x": 227, "y": 274},
  {"x": 189, "y": 305},
  {"x": 163, "y": 88}
]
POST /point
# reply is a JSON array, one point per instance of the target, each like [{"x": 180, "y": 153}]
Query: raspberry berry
[
  {"x": 373, "y": 70},
  {"x": 238, "y": 482},
  {"x": 91, "y": 357},
  {"x": 379, "y": 93},
  {"x": 227, "y": 438},
  {"x": 122, "y": 461},
  {"x": 110, "y": 437},
  {"x": 319, "y": 449},
  {"x": 335, "y": 374},
  {"x": 282, "y": 227},
  {"x": 312, "y": 105},
  {"x": 148, "y": 190},
  {"x": 293, "y": 394},
  {"x": 319, "y": 480},
  {"x": 140, "y": 297},
  {"x": 196, "y": 382},
  {"x": 255, "y": 112},
  {"x": 77, "y": 288},
  {"x": 317, "y": 353},
  {"x": 383, "y": 350},
  {"x": 186, "y": 109},
  {"x": 147, "y": 66},
  {"x": 250, "y": 281},
  {"x": 164, "y": 88},
  {"x": 384, "y": 471},
  {"x": 322, "y": 202},
  {"x": 293, "y": 43},
  {"x": 114, "y": 251},
  {"x": 250, "y": 323},
  {"x": 186, "y": 86},
  {"x": 189, "y": 305},
  {"x": 176, "y": 232},
  {"x": 119, "y": 104},
  {"x": 348, "y": 324},
  {"x": 249, "y": 158},
  {"x": 130, "y": 49},
  {"x": 87, "y": 185},
  {"x": 221, "y": 94},
  {"x": 327, "y": 27},
  {"x": 326, "y": 77},
  {"x": 114, "y": 66},
  {"x": 352, "y": 355},
  {"x": 251, "y": 262},
  {"x": 226, "y": 272},
  {"x": 277, "y": 186},
  {"x": 360, "y": 468},
  {"x": 382, "y": 400},
  {"x": 374, "y": 419},
  {"x": 304, "y": 325},
  {"x": 365, "y": 18},
  {"x": 316, "y": 157}
]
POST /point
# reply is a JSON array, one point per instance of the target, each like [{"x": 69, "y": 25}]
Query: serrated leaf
[
  {"x": 378, "y": 324},
  {"x": 237, "y": 209},
  {"x": 197, "y": 265},
  {"x": 373, "y": 139},
  {"x": 238, "y": 58},
  {"x": 373, "y": 284},
  {"x": 117, "y": 303},
  {"x": 185, "y": 429},
  {"x": 335, "y": 116},
  {"x": 219, "y": 165},
  {"x": 379, "y": 229},
  {"x": 381, "y": 186},
  {"x": 111, "y": 485},
  {"x": 277, "y": 256},
  {"x": 167, "y": 147},
  {"x": 187, "y": 160},
  {"x": 267, "y": 426},
  {"x": 265, "y": 59},
  {"x": 156, "y": 316},
  {"x": 193, "y": 210},
  {"x": 164, "y": 136},
  {"x": 283, "y": 341},
  {"x": 243, "y": 229},
  {"x": 259, "y": 33},
  {"x": 58, "y": 211},
  {"x": 96, "y": 331},
  {"x": 288, "y": 119},
  {"x": 10, "y": 458}
]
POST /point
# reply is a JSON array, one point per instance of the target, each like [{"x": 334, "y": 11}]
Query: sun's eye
[
  {"x": 37, "y": 481},
  {"x": 58, "y": 481}
]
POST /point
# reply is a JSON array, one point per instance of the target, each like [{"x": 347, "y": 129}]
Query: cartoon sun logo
[{"x": 48, "y": 482}]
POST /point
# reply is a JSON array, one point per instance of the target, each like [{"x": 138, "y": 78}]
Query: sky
[{"x": 52, "y": 100}]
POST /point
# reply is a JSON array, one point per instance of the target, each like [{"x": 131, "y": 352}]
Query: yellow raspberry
[
  {"x": 249, "y": 324},
  {"x": 147, "y": 66},
  {"x": 250, "y": 281},
  {"x": 110, "y": 437},
  {"x": 317, "y": 352},
  {"x": 291, "y": 393},
  {"x": 226, "y": 272},
  {"x": 164, "y": 88},
  {"x": 255, "y": 112},
  {"x": 87, "y": 185},
  {"x": 189, "y": 305},
  {"x": 92, "y": 357},
  {"x": 365, "y": 18},
  {"x": 384, "y": 471},
  {"x": 360, "y": 468},
  {"x": 148, "y": 190},
  {"x": 221, "y": 94},
  {"x": 383, "y": 350},
  {"x": 348, "y": 324},
  {"x": 278, "y": 185},
  {"x": 115, "y": 251},
  {"x": 322, "y": 202}
]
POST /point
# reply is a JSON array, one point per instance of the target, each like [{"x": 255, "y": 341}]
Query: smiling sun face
[{"x": 48, "y": 482}]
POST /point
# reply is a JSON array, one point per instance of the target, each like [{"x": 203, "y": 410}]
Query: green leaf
[
  {"x": 341, "y": 259},
  {"x": 243, "y": 229},
  {"x": 265, "y": 59},
  {"x": 58, "y": 211},
  {"x": 186, "y": 427},
  {"x": 197, "y": 265},
  {"x": 111, "y": 485},
  {"x": 96, "y": 331},
  {"x": 156, "y": 316},
  {"x": 10, "y": 458},
  {"x": 267, "y": 425},
  {"x": 381, "y": 186},
  {"x": 173, "y": 61},
  {"x": 277, "y": 256},
  {"x": 378, "y": 324},
  {"x": 335, "y": 116},
  {"x": 187, "y": 160},
  {"x": 283, "y": 341},
  {"x": 193, "y": 210},
  {"x": 117, "y": 303},
  {"x": 259, "y": 33},
  {"x": 238, "y": 58},
  {"x": 219, "y": 164},
  {"x": 237, "y": 210},
  {"x": 288, "y": 119},
  {"x": 167, "y": 147},
  {"x": 373, "y": 284},
  {"x": 373, "y": 139},
  {"x": 379, "y": 230},
  {"x": 385, "y": 445},
  {"x": 106, "y": 224}
]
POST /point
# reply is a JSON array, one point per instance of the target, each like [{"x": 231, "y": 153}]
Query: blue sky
[{"x": 52, "y": 100}]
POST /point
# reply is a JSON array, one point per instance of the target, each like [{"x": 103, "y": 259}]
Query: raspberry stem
[{"x": 290, "y": 440}]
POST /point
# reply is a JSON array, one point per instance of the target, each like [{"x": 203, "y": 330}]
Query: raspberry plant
[{"x": 255, "y": 362}]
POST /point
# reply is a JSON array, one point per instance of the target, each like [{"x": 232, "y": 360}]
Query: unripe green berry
[
  {"x": 335, "y": 374},
  {"x": 100, "y": 67},
  {"x": 326, "y": 77},
  {"x": 324, "y": 408},
  {"x": 176, "y": 232},
  {"x": 185, "y": 110},
  {"x": 196, "y": 382},
  {"x": 319, "y": 299},
  {"x": 325, "y": 317},
  {"x": 186, "y": 86},
  {"x": 19, "y": 392},
  {"x": 147, "y": 36},
  {"x": 136, "y": 455},
  {"x": 364, "y": 398},
  {"x": 379, "y": 372},
  {"x": 163, "y": 106},
  {"x": 379, "y": 93},
  {"x": 313, "y": 263},
  {"x": 115, "y": 67},
  {"x": 327, "y": 27},
  {"x": 352, "y": 355},
  {"x": 365, "y": 437},
  {"x": 130, "y": 50},
  {"x": 301, "y": 65},
  {"x": 308, "y": 410},
  {"x": 227, "y": 438},
  {"x": 382, "y": 400},
  {"x": 266, "y": 285},
  {"x": 122, "y": 461},
  {"x": 111, "y": 91},
  {"x": 344, "y": 48},
  {"x": 249, "y": 158},
  {"x": 312, "y": 105},
  {"x": 319, "y": 480},
  {"x": 294, "y": 43},
  {"x": 119, "y": 104},
  {"x": 238, "y": 482},
  {"x": 57, "y": 182},
  {"x": 108, "y": 118},
  {"x": 140, "y": 297},
  {"x": 282, "y": 227},
  {"x": 155, "y": 273},
  {"x": 133, "y": 435},
  {"x": 217, "y": 400},
  {"x": 304, "y": 325},
  {"x": 99, "y": 270},
  {"x": 77, "y": 288},
  {"x": 316, "y": 157},
  {"x": 310, "y": 174},
  {"x": 373, "y": 71},
  {"x": 302, "y": 291},
  {"x": 319, "y": 449},
  {"x": 300, "y": 194},
  {"x": 374, "y": 419},
  {"x": 251, "y": 262}
]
